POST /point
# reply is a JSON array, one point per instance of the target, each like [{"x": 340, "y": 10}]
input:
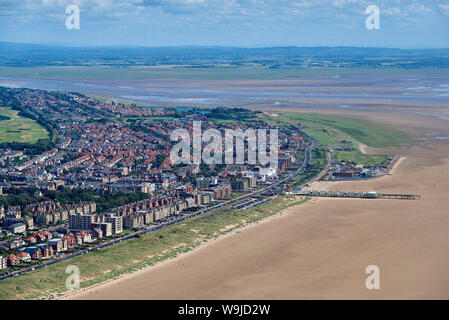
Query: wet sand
[{"x": 351, "y": 91}]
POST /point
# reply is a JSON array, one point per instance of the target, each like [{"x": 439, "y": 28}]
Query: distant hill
[{"x": 20, "y": 55}]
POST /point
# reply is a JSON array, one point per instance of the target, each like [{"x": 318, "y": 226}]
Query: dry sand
[{"x": 320, "y": 250}]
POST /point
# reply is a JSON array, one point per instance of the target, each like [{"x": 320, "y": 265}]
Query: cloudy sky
[{"x": 249, "y": 23}]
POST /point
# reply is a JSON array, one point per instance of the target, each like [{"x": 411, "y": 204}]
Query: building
[
  {"x": 252, "y": 180},
  {"x": 43, "y": 236},
  {"x": 133, "y": 221},
  {"x": 181, "y": 205},
  {"x": 202, "y": 183},
  {"x": 104, "y": 227},
  {"x": 14, "y": 211},
  {"x": 160, "y": 213},
  {"x": 79, "y": 221},
  {"x": 46, "y": 250},
  {"x": 8, "y": 221},
  {"x": 28, "y": 221},
  {"x": 142, "y": 187},
  {"x": 267, "y": 173},
  {"x": 48, "y": 213},
  {"x": 190, "y": 202},
  {"x": 221, "y": 191},
  {"x": 18, "y": 228},
  {"x": 96, "y": 233},
  {"x": 148, "y": 217},
  {"x": 86, "y": 221},
  {"x": 83, "y": 237},
  {"x": 202, "y": 198},
  {"x": 58, "y": 245},
  {"x": 117, "y": 223},
  {"x": 239, "y": 185},
  {"x": 185, "y": 188},
  {"x": 3, "y": 262},
  {"x": 71, "y": 240},
  {"x": 23, "y": 257},
  {"x": 12, "y": 260},
  {"x": 285, "y": 161},
  {"x": 34, "y": 252}
]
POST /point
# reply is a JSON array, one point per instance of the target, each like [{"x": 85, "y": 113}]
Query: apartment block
[
  {"x": 79, "y": 221},
  {"x": 117, "y": 223},
  {"x": 3, "y": 262},
  {"x": 104, "y": 227}
]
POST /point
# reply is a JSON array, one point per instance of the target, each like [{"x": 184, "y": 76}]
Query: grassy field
[
  {"x": 131, "y": 255},
  {"x": 356, "y": 157},
  {"x": 213, "y": 73},
  {"x": 325, "y": 135},
  {"x": 19, "y": 129},
  {"x": 367, "y": 132},
  {"x": 345, "y": 131}
]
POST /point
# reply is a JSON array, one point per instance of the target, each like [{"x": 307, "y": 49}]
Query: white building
[
  {"x": 116, "y": 222},
  {"x": 18, "y": 228},
  {"x": 3, "y": 262},
  {"x": 267, "y": 173}
]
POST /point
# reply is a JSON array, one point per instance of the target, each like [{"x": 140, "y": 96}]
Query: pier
[{"x": 361, "y": 195}]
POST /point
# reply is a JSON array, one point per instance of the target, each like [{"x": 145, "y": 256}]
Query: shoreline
[
  {"x": 81, "y": 293},
  {"x": 396, "y": 165},
  {"x": 159, "y": 264}
]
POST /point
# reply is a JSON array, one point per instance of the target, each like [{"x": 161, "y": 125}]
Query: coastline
[
  {"x": 284, "y": 213},
  {"x": 396, "y": 164}
]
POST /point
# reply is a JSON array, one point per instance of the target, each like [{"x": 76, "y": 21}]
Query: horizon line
[{"x": 222, "y": 46}]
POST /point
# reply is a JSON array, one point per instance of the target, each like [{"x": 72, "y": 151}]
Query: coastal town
[{"x": 105, "y": 172}]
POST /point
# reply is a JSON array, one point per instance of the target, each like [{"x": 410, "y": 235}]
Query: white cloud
[
  {"x": 342, "y": 3},
  {"x": 444, "y": 8}
]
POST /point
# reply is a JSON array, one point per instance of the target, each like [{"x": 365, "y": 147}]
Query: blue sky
[{"x": 247, "y": 23}]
